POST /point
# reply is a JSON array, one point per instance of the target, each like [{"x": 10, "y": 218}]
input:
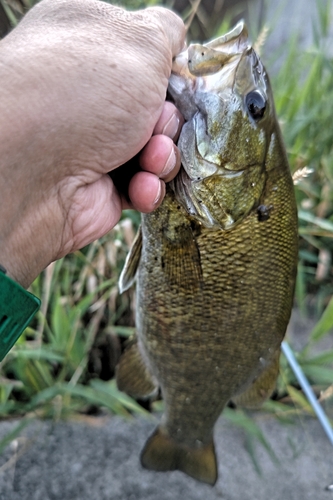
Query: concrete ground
[{"x": 99, "y": 459}]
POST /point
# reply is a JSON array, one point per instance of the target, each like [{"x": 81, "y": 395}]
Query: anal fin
[
  {"x": 162, "y": 454},
  {"x": 262, "y": 387},
  {"x": 132, "y": 374}
]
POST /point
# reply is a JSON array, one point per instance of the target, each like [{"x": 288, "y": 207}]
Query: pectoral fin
[
  {"x": 133, "y": 376},
  {"x": 128, "y": 273},
  {"x": 181, "y": 259},
  {"x": 162, "y": 454},
  {"x": 263, "y": 386}
]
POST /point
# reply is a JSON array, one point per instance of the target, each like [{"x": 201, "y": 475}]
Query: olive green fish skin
[
  {"x": 215, "y": 279},
  {"x": 206, "y": 340}
]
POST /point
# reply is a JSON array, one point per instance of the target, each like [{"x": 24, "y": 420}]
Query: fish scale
[{"x": 215, "y": 264}]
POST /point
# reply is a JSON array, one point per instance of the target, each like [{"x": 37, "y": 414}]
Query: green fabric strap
[{"x": 17, "y": 308}]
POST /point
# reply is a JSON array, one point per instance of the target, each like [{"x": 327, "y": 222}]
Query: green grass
[
  {"x": 50, "y": 371},
  {"x": 305, "y": 115},
  {"x": 303, "y": 91},
  {"x": 55, "y": 367}
]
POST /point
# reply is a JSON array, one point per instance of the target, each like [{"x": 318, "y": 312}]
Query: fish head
[{"x": 223, "y": 91}]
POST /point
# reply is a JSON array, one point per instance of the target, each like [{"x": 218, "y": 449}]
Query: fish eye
[{"x": 255, "y": 104}]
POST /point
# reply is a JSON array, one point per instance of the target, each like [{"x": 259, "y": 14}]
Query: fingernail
[
  {"x": 160, "y": 193},
  {"x": 172, "y": 126},
  {"x": 170, "y": 163}
]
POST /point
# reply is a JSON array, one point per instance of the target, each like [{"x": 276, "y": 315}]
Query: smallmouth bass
[{"x": 215, "y": 264}]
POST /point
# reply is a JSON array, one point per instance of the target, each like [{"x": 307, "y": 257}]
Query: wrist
[
  {"x": 26, "y": 248},
  {"x": 17, "y": 308},
  {"x": 15, "y": 272}
]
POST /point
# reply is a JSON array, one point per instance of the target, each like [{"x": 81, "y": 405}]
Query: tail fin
[{"x": 161, "y": 453}]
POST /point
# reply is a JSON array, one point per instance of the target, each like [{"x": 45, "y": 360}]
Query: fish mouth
[{"x": 221, "y": 90}]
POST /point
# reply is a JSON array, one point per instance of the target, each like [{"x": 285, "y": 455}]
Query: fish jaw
[{"x": 223, "y": 145}]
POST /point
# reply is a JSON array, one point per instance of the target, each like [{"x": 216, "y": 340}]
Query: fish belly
[{"x": 212, "y": 309}]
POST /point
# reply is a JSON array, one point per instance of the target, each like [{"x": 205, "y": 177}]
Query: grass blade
[{"x": 325, "y": 324}]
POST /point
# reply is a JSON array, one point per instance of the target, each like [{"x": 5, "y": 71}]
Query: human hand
[{"x": 82, "y": 91}]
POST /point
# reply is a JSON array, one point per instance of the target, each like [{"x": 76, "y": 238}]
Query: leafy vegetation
[
  {"x": 65, "y": 360},
  {"x": 303, "y": 89}
]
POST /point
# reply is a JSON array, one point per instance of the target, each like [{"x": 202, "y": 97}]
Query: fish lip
[{"x": 183, "y": 84}]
